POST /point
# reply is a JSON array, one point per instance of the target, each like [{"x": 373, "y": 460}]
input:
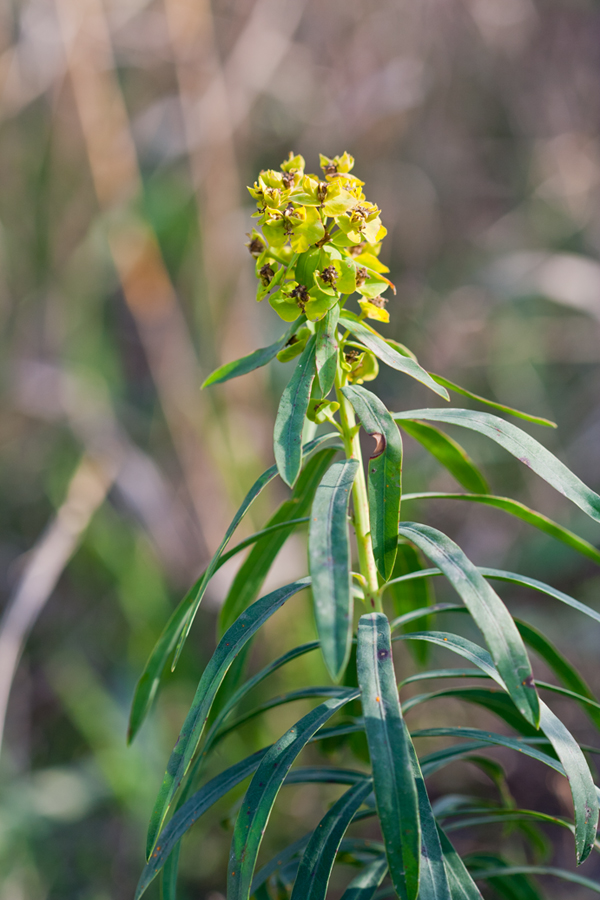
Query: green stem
[{"x": 362, "y": 525}]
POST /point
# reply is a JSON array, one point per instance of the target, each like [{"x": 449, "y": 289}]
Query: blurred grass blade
[
  {"x": 327, "y": 349},
  {"x": 525, "y": 448},
  {"x": 537, "y": 420},
  {"x": 364, "y": 885},
  {"x": 520, "y": 511},
  {"x": 510, "y": 887},
  {"x": 583, "y": 790},
  {"x": 561, "y": 667},
  {"x": 191, "y": 811},
  {"x": 287, "y": 435},
  {"x": 318, "y": 859},
  {"x": 393, "y": 781},
  {"x": 450, "y": 454},
  {"x": 462, "y": 886},
  {"x": 563, "y": 874},
  {"x": 262, "y": 792},
  {"x": 254, "y": 360},
  {"x": 253, "y": 571},
  {"x": 228, "y": 648},
  {"x": 329, "y": 559},
  {"x": 416, "y": 594},
  {"x": 488, "y": 611},
  {"x": 385, "y": 475},
  {"x": 377, "y": 345},
  {"x": 433, "y": 882}
]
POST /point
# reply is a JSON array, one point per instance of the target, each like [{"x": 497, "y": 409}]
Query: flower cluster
[{"x": 319, "y": 241}]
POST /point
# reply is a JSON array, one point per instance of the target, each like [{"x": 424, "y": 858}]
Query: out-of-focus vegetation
[{"x": 128, "y": 132}]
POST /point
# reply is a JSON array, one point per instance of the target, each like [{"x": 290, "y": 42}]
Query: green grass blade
[
  {"x": 191, "y": 811},
  {"x": 318, "y": 859},
  {"x": 228, "y": 648},
  {"x": 562, "y": 668},
  {"x": 520, "y": 511},
  {"x": 254, "y": 360},
  {"x": 411, "y": 595},
  {"x": 384, "y": 476},
  {"x": 287, "y": 435},
  {"x": 488, "y": 611},
  {"x": 525, "y": 448},
  {"x": 329, "y": 560},
  {"x": 462, "y": 886},
  {"x": 364, "y": 885},
  {"x": 327, "y": 349},
  {"x": 262, "y": 792},
  {"x": 450, "y": 454},
  {"x": 563, "y": 874},
  {"x": 393, "y": 781},
  {"x": 455, "y": 388},
  {"x": 253, "y": 571},
  {"x": 377, "y": 345}
]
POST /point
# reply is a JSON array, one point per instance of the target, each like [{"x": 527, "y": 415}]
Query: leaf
[
  {"x": 191, "y": 811},
  {"x": 496, "y": 701},
  {"x": 433, "y": 881},
  {"x": 385, "y": 475},
  {"x": 529, "y": 451},
  {"x": 371, "y": 339},
  {"x": 327, "y": 349},
  {"x": 450, "y": 454},
  {"x": 488, "y": 611},
  {"x": 515, "y": 508},
  {"x": 289, "y": 423},
  {"x": 317, "y": 862},
  {"x": 561, "y": 667},
  {"x": 253, "y": 571},
  {"x": 364, "y": 885},
  {"x": 262, "y": 792},
  {"x": 413, "y": 594},
  {"x": 253, "y": 360},
  {"x": 393, "y": 782},
  {"x": 538, "y": 870},
  {"x": 228, "y": 648},
  {"x": 462, "y": 886},
  {"x": 329, "y": 558},
  {"x": 537, "y": 420}
]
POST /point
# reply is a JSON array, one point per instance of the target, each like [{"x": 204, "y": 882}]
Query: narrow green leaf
[
  {"x": 562, "y": 668},
  {"x": 393, "y": 781},
  {"x": 488, "y": 611},
  {"x": 306, "y": 693},
  {"x": 413, "y": 594},
  {"x": 264, "y": 787},
  {"x": 462, "y": 886},
  {"x": 287, "y": 435},
  {"x": 495, "y": 701},
  {"x": 364, "y": 885},
  {"x": 520, "y": 511},
  {"x": 563, "y": 874},
  {"x": 377, "y": 345},
  {"x": 191, "y": 811},
  {"x": 433, "y": 881},
  {"x": 522, "y": 446},
  {"x": 318, "y": 859},
  {"x": 450, "y": 454},
  {"x": 329, "y": 559},
  {"x": 327, "y": 349},
  {"x": 385, "y": 475},
  {"x": 253, "y": 360},
  {"x": 228, "y": 648},
  {"x": 537, "y": 420},
  {"x": 253, "y": 571}
]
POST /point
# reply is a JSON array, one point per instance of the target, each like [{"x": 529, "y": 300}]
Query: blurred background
[{"x": 128, "y": 131}]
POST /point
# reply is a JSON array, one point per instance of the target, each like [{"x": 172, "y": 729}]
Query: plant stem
[{"x": 362, "y": 525}]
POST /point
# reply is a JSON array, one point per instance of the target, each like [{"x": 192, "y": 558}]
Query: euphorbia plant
[{"x": 316, "y": 247}]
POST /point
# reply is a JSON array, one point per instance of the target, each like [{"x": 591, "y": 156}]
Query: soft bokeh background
[{"x": 128, "y": 131}]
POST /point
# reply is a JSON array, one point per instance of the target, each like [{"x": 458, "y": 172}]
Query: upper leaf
[{"x": 289, "y": 423}]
